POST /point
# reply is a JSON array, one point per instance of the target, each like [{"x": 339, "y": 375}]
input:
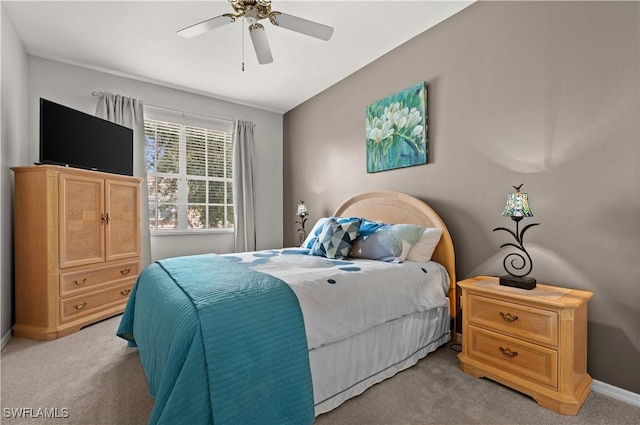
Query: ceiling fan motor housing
[{"x": 252, "y": 10}]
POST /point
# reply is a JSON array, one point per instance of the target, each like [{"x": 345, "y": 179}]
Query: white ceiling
[{"x": 138, "y": 39}]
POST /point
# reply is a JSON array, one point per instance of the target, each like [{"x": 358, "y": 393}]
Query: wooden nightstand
[{"x": 534, "y": 341}]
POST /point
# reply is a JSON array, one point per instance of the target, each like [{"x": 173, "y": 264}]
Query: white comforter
[{"x": 341, "y": 298}]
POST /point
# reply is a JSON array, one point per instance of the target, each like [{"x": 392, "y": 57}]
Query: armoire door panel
[
  {"x": 81, "y": 206},
  {"x": 122, "y": 228}
]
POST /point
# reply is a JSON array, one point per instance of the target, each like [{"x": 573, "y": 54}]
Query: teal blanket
[{"x": 220, "y": 344}]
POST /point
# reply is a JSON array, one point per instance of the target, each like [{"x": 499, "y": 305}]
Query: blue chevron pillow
[
  {"x": 336, "y": 238},
  {"x": 366, "y": 228}
]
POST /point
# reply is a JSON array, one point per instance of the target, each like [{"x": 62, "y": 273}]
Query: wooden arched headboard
[{"x": 400, "y": 208}]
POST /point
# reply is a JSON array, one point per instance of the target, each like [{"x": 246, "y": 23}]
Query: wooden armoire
[{"x": 77, "y": 247}]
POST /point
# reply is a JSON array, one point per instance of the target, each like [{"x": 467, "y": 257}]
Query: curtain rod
[{"x": 98, "y": 93}]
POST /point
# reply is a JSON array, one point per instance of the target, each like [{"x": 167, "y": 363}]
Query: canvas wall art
[{"x": 396, "y": 130}]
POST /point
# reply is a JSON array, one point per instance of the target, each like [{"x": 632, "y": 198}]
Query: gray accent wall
[{"x": 541, "y": 93}]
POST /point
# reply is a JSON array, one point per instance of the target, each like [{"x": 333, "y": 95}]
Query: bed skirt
[{"x": 341, "y": 372}]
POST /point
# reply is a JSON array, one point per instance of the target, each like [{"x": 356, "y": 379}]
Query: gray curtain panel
[
  {"x": 129, "y": 113},
  {"x": 244, "y": 225}
]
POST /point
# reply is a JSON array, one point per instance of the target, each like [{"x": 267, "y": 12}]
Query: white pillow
[
  {"x": 423, "y": 249},
  {"x": 389, "y": 242}
]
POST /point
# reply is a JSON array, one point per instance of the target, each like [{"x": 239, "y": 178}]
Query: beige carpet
[{"x": 92, "y": 377}]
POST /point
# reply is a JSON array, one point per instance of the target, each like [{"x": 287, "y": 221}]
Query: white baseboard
[
  {"x": 615, "y": 392},
  {"x": 5, "y": 339}
]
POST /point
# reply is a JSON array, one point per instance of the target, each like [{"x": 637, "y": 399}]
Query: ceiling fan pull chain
[{"x": 243, "y": 45}]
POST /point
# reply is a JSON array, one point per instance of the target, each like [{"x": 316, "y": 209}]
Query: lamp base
[{"x": 518, "y": 282}]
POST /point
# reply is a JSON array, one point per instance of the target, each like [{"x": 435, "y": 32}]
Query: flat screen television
[{"x": 77, "y": 139}]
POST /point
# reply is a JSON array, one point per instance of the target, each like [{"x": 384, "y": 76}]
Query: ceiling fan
[{"x": 253, "y": 11}]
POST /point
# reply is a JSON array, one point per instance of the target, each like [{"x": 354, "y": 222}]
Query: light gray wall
[
  {"x": 13, "y": 126},
  {"x": 27, "y": 78},
  {"x": 72, "y": 86},
  {"x": 540, "y": 93}
]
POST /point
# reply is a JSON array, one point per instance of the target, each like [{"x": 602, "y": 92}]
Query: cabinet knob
[
  {"x": 507, "y": 352},
  {"x": 125, "y": 272},
  {"x": 80, "y": 306},
  {"x": 80, "y": 281},
  {"x": 125, "y": 292},
  {"x": 508, "y": 317}
]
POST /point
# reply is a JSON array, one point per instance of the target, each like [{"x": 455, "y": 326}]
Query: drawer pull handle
[
  {"x": 80, "y": 306},
  {"x": 125, "y": 272},
  {"x": 508, "y": 317},
  {"x": 80, "y": 281},
  {"x": 125, "y": 292},
  {"x": 507, "y": 352}
]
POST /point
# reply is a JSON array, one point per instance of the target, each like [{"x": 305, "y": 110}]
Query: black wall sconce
[
  {"x": 302, "y": 212},
  {"x": 515, "y": 263}
]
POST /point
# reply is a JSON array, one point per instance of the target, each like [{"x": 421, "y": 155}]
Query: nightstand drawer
[
  {"x": 529, "y": 361},
  {"x": 529, "y": 323}
]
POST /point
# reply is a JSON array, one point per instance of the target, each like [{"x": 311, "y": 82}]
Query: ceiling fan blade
[
  {"x": 208, "y": 25},
  {"x": 303, "y": 26},
  {"x": 260, "y": 43}
]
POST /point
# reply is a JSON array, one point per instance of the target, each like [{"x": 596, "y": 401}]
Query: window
[{"x": 189, "y": 175}]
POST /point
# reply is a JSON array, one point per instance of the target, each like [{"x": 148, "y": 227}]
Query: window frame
[{"x": 184, "y": 120}]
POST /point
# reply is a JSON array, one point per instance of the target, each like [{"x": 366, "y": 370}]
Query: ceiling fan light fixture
[
  {"x": 251, "y": 15},
  {"x": 253, "y": 11}
]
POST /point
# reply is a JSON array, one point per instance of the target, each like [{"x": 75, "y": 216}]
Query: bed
[{"x": 313, "y": 333}]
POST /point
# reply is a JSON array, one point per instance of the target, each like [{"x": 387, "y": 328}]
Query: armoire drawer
[
  {"x": 529, "y": 361},
  {"x": 79, "y": 281},
  {"x": 530, "y": 323},
  {"x": 93, "y": 302}
]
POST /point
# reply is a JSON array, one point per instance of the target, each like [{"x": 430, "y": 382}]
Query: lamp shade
[
  {"x": 302, "y": 209},
  {"x": 517, "y": 205}
]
